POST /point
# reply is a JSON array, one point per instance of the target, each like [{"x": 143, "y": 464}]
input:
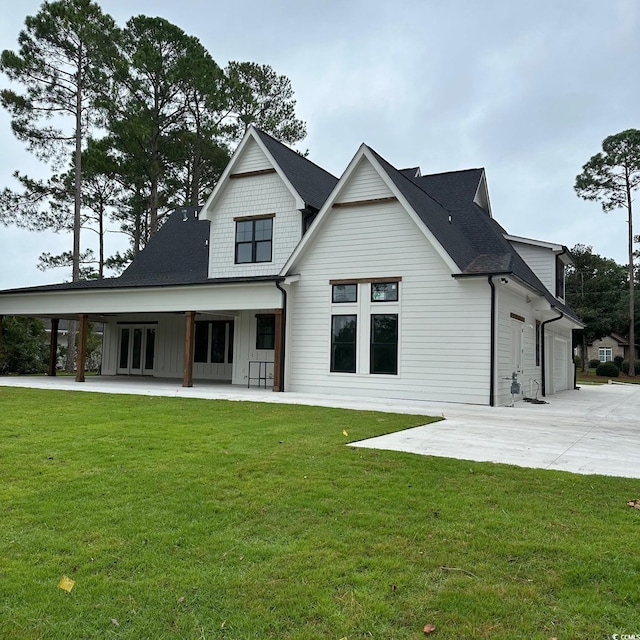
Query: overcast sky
[{"x": 527, "y": 90}]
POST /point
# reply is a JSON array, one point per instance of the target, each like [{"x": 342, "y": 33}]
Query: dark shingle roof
[
  {"x": 313, "y": 183},
  {"x": 471, "y": 237},
  {"x": 178, "y": 253}
]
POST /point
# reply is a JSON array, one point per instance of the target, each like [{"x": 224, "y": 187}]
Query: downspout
[
  {"x": 284, "y": 333},
  {"x": 544, "y": 357},
  {"x": 492, "y": 358}
]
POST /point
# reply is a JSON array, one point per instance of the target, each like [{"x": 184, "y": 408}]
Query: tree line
[{"x": 132, "y": 121}]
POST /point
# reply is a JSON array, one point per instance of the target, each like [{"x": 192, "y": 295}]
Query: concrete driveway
[{"x": 595, "y": 430}]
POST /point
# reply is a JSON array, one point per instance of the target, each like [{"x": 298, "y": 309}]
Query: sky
[{"x": 527, "y": 90}]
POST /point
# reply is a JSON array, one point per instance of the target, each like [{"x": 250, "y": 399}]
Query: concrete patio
[{"x": 595, "y": 430}]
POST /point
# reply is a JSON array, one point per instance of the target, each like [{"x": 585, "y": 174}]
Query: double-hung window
[{"x": 254, "y": 239}]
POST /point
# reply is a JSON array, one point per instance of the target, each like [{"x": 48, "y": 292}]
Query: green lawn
[{"x": 193, "y": 519}]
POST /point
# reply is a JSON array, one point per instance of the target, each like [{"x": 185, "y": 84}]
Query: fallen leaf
[
  {"x": 344, "y": 432},
  {"x": 634, "y": 503},
  {"x": 66, "y": 584},
  {"x": 429, "y": 628},
  {"x": 393, "y": 587},
  {"x": 115, "y": 622},
  {"x": 181, "y": 599}
]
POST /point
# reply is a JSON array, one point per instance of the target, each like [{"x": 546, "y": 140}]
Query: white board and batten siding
[
  {"x": 255, "y": 195},
  {"x": 443, "y": 323},
  {"x": 541, "y": 260},
  {"x": 245, "y": 350}
]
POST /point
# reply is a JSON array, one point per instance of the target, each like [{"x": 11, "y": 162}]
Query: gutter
[
  {"x": 543, "y": 359},
  {"x": 284, "y": 332},
  {"x": 492, "y": 357}
]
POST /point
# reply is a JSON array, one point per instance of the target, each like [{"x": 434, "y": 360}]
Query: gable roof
[
  {"x": 445, "y": 204},
  {"x": 312, "y": 182},
  {"x": 309, "y": 184},
  {"x": 466, "y": 235}
]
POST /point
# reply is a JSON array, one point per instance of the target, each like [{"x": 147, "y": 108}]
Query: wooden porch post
[
  {"x": 53, "y": 347},
  {"x": 82, "y": 348},
  {"x": 278, "y": 382},
  {"x": 1, "y": 318},
  {"x": 189, "y": 338}
]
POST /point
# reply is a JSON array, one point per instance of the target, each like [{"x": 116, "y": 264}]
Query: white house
[{"x": 384, "y": 283}]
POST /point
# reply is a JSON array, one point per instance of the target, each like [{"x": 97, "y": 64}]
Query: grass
[
  {"x": 190, "y": 519},
  {"x": 592, "y": 378}
]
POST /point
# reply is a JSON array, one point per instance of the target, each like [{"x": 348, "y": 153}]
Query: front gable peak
[{"x": 251, "y": 158}]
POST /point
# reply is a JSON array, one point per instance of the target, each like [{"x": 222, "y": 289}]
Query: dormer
[
  {"x": 263, "y": 203},
  {"x": 546, "y": 259}
]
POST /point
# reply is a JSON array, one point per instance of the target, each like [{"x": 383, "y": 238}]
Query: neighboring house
[
  {"x": 384, "y": 283},
  {"x": 609, "y": 347}
]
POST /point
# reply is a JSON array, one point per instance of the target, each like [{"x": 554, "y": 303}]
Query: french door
[{"x": 136, "y": 349}]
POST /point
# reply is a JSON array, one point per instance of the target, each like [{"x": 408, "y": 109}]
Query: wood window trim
[
  {"x": 262, "y": 216},
  {"x": 515, "y": 316},
  {"x": 249, "y": 174},
  {"x": 366, "y": 280},
  {"x": 363, "y": 203}
]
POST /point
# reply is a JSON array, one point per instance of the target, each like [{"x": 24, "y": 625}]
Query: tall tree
[
  {"x": 610, "y": 177},
  {"x": 60, "y": 65},
  {"x": 158, "y": 68},
  {"x": 595, "y": 289},
  {"x": 261, "y": 97}
]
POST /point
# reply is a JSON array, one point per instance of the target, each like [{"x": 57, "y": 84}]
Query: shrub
[
  {"x": 23, "y": 348},
  {"x": 608, "y": 369},
  {"x": 593, "y": 364},
  {"x": 618, "y": 362},
  {"x": 625, "y": 366},
  {"x": 577, "y": 360}
]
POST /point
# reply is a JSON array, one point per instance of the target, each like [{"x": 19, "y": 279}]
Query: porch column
[
  {"x": 53, "y": 347},
  {"x": 189, "y": 338},
  {"x": 278, "y": 382},
  {"x": 82, "y": 347},
  {"x": 1, "y": 318}
]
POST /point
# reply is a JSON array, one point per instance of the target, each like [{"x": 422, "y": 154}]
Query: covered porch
[{"x": 223, "y": 331}]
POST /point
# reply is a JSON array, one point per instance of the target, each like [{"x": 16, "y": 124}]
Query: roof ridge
[
  {"x": 260, "y": 132},
  {"x": 443, "y": 173}
]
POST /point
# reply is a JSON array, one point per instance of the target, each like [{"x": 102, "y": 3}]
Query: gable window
[
  {"x": 605, "y": 354},
  {"x": 266, "y": 332},
  {"x": 384, "y": 292},
  {"x": 559, "y": 278},
  {"x": 254, "y": 239},
  {"x": 384, "y": 343},
  {"x": 344, "y": 293},
  {"x": 343, "y": 343}
]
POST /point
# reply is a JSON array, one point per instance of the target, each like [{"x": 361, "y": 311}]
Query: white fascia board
[
  {"x": 205, "y": 213},
  {"x": 364, "y": 152},
  {"x": 552, "y": 246},
  {"x": 207, "y": 210},
  {"x": 204, "y": 297}
]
